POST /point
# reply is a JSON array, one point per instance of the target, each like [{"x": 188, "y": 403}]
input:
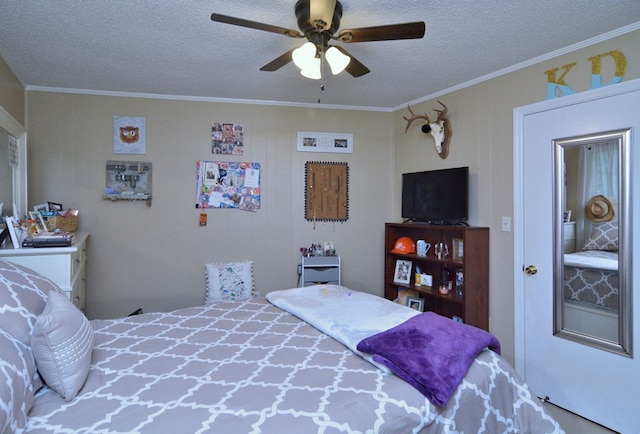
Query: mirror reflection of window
[
  {"x": 598, "y": 174},
  {"x": 592, "y": 283}
]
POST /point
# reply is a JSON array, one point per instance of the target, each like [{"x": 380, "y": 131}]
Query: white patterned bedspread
[
  {"x": 591, "y": 278},
  {"x": 250, "y": 367}
]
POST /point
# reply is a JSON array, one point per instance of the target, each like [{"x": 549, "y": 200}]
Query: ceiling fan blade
[
  {"x": 355, "y": 68},
  {"x": 322, "y": 10},
  {"x": 390, "y": 32},
  {"x": 255, "y": 25},
  {"x": 278, "y": 62}
]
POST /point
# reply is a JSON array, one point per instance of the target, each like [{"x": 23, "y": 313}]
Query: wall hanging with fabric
[
  {"x": 326, "y": 191},
  {"x": 225, "y": 184}
]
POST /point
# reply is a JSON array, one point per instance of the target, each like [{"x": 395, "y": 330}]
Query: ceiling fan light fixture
[
  {"x": 312, "y": 70},
  {"x": 337, "y": 60},
  {"x": 305, "y": 55}
]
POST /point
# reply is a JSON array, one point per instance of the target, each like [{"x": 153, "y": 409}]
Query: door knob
[{"x": 531, "y": 270}]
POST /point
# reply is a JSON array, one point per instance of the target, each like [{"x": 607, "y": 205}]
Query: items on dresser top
[{"x": 49, "y": 239}]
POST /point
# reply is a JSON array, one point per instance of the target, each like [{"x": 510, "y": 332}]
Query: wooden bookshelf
[{"x": 473, "y": 305}]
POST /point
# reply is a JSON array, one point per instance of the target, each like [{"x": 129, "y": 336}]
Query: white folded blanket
[{"x": 346, "y": 315}]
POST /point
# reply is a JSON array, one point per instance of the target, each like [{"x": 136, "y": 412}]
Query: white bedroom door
[{"x": 595, "y": 383}]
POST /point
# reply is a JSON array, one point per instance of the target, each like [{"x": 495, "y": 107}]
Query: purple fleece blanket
[{"x": 430, "y": 352}]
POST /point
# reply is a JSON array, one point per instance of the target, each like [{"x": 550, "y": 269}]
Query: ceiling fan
[{"x": 318, "y": 21}]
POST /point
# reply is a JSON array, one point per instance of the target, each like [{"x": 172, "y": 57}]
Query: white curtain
[{"x": 598, "y": 173}]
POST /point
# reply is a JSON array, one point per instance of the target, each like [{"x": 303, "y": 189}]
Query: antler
[
  {"x": 415, "y": 116},
  {"x": 441, "y": 113}
]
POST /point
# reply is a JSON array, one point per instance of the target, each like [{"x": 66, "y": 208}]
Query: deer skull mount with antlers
[{"x": 440, "y": 129}]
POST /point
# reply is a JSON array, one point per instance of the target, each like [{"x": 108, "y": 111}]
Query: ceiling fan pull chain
[{"x": 321, "y": 74}]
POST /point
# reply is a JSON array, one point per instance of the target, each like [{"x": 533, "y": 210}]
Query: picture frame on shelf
[
  {"x": 402, "y": 273},
  {"x": 459, "y": 281},
  {"x": 457, "y": 247},
  {"x": 416, "y": 303}
]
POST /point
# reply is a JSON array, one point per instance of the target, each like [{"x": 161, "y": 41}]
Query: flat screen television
[{"x": 436, "y": 196}]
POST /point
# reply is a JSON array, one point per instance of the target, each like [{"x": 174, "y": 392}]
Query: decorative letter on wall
[{"x": 326, "y": 191}]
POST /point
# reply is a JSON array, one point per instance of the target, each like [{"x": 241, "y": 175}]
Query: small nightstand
[{"x": 319, "y": 270}]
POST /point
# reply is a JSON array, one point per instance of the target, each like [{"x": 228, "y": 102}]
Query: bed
[
  {"x": 591, "y": 277},
  {"x": 243, "y": 367},
  {"x": 591, "y": 274},
  {"x": 591, "y": 284}
]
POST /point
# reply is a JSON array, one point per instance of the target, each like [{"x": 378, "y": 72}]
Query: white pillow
[
  {"x": 62, "y": 342},
  {"x": 232, "y": 281}
]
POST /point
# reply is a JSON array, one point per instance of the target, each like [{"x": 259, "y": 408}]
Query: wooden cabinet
[
  {"x": 472, "y": 246},
  {"x": 65, "y": 266}
]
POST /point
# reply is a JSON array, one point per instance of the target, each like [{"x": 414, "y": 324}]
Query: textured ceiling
[{"x": 164, "y": 47}]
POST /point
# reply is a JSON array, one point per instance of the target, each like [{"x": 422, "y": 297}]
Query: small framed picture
[
  {"x": 458, "y": 249},
  {"x": 37, "y": 217},
  {"x": 567, "y": 216},
  {"x": 416, "y": 304},
  {"x": 43, "y": 207},
  {"x": 54, "y": 207},
  {"x": 403, "y": 272}
]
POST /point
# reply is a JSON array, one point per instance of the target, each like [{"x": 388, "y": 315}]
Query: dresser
[{"x": 65, "y": 266}]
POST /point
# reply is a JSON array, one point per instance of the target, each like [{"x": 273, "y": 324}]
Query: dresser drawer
[
  {"x": 77, "y": 295},
  {"x": 321, "y": 275},
  {"x": 77, "y": 260}
]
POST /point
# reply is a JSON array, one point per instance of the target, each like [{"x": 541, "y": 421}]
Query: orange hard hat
[{"x": 404, "y": 245}]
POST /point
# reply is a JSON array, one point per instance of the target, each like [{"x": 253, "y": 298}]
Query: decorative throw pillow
[
  {"x": 17, "y": 369},
  {"x": 231, "y": 281},
  {"x": 62, "y": 343},
  {"x": 23, "y": 294},
  {"x": 604, "y": 236}
]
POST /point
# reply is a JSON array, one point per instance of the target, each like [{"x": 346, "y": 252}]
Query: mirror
[
  {"x": 13, "y": 180},
  {"x": 592, "y": 249}
]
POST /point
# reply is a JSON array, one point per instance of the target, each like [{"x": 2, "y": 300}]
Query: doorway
[{"x": 588, "y": 380}]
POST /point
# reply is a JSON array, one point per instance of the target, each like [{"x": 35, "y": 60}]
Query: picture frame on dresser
[
  {"x": 40, "y": 223},
  {"x": 13, "y": 232},
  {"x": 4, "y": 234}
]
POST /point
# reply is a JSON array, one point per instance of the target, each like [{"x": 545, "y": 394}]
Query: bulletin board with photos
[{"x": 226, "y": 184}]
